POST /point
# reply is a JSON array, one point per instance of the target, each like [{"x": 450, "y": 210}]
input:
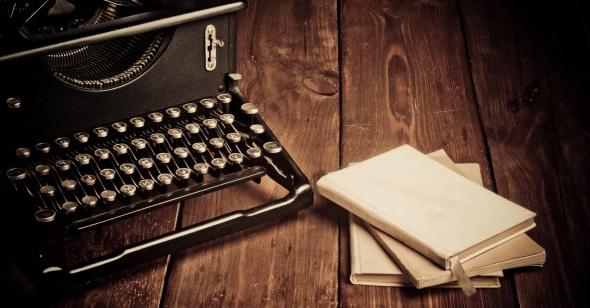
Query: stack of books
[{"x": 424, "y": 221}]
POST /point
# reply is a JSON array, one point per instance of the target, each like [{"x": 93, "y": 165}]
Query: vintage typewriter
[{"x": 112, "y": 108}]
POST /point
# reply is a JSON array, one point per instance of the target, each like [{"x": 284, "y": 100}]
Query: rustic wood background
[{"x": 342, "y": 80}]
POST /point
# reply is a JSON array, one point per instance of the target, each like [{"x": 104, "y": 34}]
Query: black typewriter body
[{"x": 108, "y": 124}]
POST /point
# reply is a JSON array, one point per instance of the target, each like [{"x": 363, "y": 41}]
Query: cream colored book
[{"x": 426, "y": 206}]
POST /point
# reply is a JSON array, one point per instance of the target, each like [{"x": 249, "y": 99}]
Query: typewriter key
[
  {"x": 199, "y": 147},
  {"x": 128, "y": 190},
  {"x": 164, "y": 158},
  {"x": 102, "y": 153},
  {"x": 62, "y": 142},
  {"x": 236, "y": 158},
  {"x": 82, "y": 137},
  {"x": 42, "y": 169},
  {"x": 83, "y": 159},
  {"x": 165, "y": 178},
  {"x": 119, "y": 127},
  {"x": 181, "y": 152},
  {"x": 201, "y": 168},
  {"x": 233, "y": 137},
  {"x": 13, "y": 102},
  {"x": 254, "y": 152},
  {"x": 173, "y": 112},
  {"x": 249, "y": 108},
  {"x": 108, "y": 174},
  {"x": 108, "y": 195},
  {"x": 16, "y": 174},
  {"x": 47, "y": 190},
  {"x": 183, "y": 173},
  {"x": 127, "y": 168},
  {"x": 227, "y": 118},
  {"x": 218, "y": 163},
  {"x": 69, "y": 184},
  {"x": 146, "y": 184},
  {"x": 139, "y": 143},
  {"x": 157, "y": 138},
  {"x": 207, "y": 103},
  {"x": 69, "y": 207},
  {"x": 257, "y": 129},
  {"x": 89, "y": 201},
  {"x": 23, "y": 152},
  {"x": 216, "y": 142},
  {"x": 146, "y": 163},
  {"x": 43, "y": 147},
  {"x": 156, "y": 117},
  {"x": 210, "y": 123},
  {"x": 101, "y": 132},
  {"x": 120, "y": 148},
  {"x": 137, "y": 122},
  {"x": 63, "y": 165},
  {"x": 190, "y": 107},
  {"x": 45, "y": 215},
  {"x": 272, "y": 147},
  {"x": 88, "y": 179},
  {"x": 224, "y": 98},
  {"x": 192, "y": 128},
  {"x": 175, "y": 133}
]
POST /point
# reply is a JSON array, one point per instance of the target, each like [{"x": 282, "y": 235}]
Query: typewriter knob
[
  {"x": 210, "y": 123},
  {"x": 218, "y": 163},
  {"x": 236, "y": 158},
  {"x": 45, "y": 215},
  {"x": 146, "y": 184},
  {"x": 127, "y": 168},
  {"x": 43, "y": 147},
  {"x": 23, "y": 152},
  {"x": 201, "y": 168},
  {"x": 63, "y": 165},
  {"x": 181, "y": 152},
  {"x": 175, "y": 133},
  {"x": 102, "y": 153},
  {"x": 139, "y": 143},
  {"x": 224, "y": 98},
  {"x": 101, "y": 132},
  {"x": 156, "y": 117},
  {"x": 216, "y": 142},
  {"x": 165, "y": 178},
  {"x": 233, "y": 137},
  {"x": 82, "y": 137},
  {"x": 254, "y": 152},
  {"x": 137, "y": 122},
  {"x": 257, "y": 129},
  {"x": 108, "y": 195},
  {"x": 183, "y": 173},
  {"x": 190, "y": 107},
  {"x": 42, "y": 169},
  {"x": 69, "y": 207},
  {"x": 47, "y": 190},
  {"x": 157, "y": 138},
  {"x": 192, "y": 128},
  {"x": 272, "y": 147},
  {"x": 227, "y": 118},
  {"x": 89, "y": 179},
  {"x": 119, "y": 127},
  {"x": 200, "y": 147},
  {"x": 120, "y": 148},
  {"x": 146, "y": 163},
  {"x": 173, "y": 112},
  {"x": 89, "y": 201},
  {"x": 16, "y": 174},
  {"x": 208, "y": 103},
  {"x": 62, "y": 142},
  {"x": 249, "y": 108},
  {"x": 108, "y": 174},
  {"x": 128, "y": 190},
  {"x": 69, "y": 184},
  {"x": 83, "y": 159},
  {"x": 164, "y": 158}
]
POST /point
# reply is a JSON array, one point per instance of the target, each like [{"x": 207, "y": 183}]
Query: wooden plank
[
  {"x": 405, "y": 79},
  {"x": 539, "y": 148},
  {"x": 287, "y": 52}
]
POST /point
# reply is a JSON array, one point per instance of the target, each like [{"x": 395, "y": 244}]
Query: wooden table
[{"x": 340, "y": 81}]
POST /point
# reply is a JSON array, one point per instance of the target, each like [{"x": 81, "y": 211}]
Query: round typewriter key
[
  {"x": 127, "y": 168},
  {"x": 63, "y": 165},
  {"x": 83, "y": 159},
  {"x": 43, "y": 147},
  {"x": 13, "y": 102},
  {"x": 16, "y": 174},
  {"x": 146, "y": 163},
  {"x": 119, "y": 127},
  {"x": 257, "y": 129},
  {"x": 254, "y": 152},
  {"x": 69, "y": 184},
  {"x": 207, "y": 103},
  {"x": 139, "y": 143},
  {"x": 216, "y": 143},
  {"x": 89, "y": 201},
  {"x": 175, "y": 133},
  {"x": 181, "y": 152},
  {"x": 190, "y": 107},
  {"x": 102, "y": 153},
  {"x": 224, "y": 98},
  {"x": 156, "y": 117},
  {"x": 128, "y": 190},
  {"x": 23, "y": 152},
  {"x": 108, "y": 195},
  {"x": 146, "y": 184},
  {"x": 88, "y": 179},
  {"x": 69, "y": 206},
  {"x": 236, "y": 158},
  {"x": 62, "y": 142},
  {"x": 192, "y": 128},
  {"x": 47, "y": 190},
  {"x": 173, "y": 112},
  {"x": 42, "y": 169},
  {"x": 164, "y": 158},
  {"x": 201, "y": 168},
  {"x": 45, "y": 215},
  {"x": 157, "y": 138},
  {"x": 272, "y": 147},
  {"x": 108, "y": 174},
  {"x": 218, "y": 163},
  {"x": 137, "y": 122},
  {"x": 120, "y": 148},
  {"x": 233, "y": 137},
  {"x": 165, "y": 178},
  {"x": 227, "y": 118},
  {"x": 183, "y": 173},
  {"x": 82, "y": 137},
  {"x": 249, "y": 108},
  {"x": 210, "y": 123},
  {"x": 101, "y": 132},
  {"x": 199, "y": 147}
]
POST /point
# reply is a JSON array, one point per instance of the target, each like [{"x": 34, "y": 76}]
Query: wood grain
[
  {"x": 405, "y": 79},
  {"x": 539, "y": 148},
  {"x": 287, "y": 52}
]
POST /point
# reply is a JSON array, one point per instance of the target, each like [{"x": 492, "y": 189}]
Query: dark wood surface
[{"x": 340, "y": 81}]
